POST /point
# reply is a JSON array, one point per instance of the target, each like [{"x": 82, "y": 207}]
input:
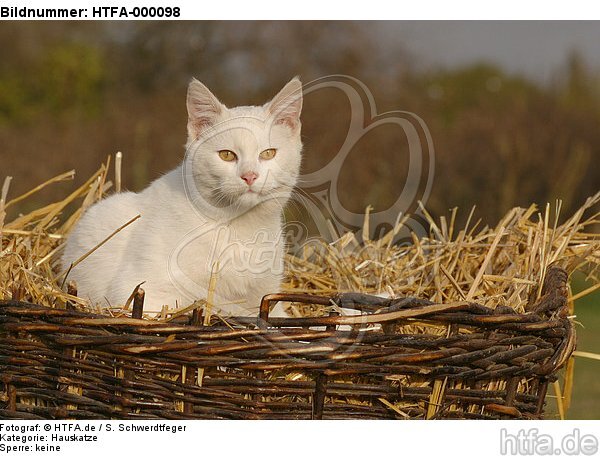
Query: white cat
[{"x": 220, "y": 210}]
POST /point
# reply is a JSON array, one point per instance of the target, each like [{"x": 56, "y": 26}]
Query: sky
[{"x": 536, "y": 49}]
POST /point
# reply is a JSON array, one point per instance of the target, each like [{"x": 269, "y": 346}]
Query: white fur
[{"x": 200, "y": 214}]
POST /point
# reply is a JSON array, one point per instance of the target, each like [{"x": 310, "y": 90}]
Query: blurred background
[{"x": 513, "y": 109}]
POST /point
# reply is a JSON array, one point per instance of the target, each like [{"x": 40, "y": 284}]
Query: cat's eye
[
  {"x": 268, "y": 154},
  {"x": 227, "y": 155}
]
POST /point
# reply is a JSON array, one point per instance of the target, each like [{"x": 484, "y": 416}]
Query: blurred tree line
[{"x": 72, "y": 93}]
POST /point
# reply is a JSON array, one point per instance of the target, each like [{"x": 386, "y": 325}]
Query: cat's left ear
[
  {"x": 203, "y": 108},
  {"x": 286, "y": 106}
]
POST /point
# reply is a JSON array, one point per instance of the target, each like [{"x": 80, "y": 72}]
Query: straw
[{"x": 491, "y": 266}]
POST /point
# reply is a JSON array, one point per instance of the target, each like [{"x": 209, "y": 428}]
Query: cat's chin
[
  {"x": 248, "y": 199},
  {"x": 252, "y": 198}
]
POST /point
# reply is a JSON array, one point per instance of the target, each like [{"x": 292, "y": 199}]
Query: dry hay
[
  {"x": 502, "y": 265},
  {"x": 31, "y": 243}
]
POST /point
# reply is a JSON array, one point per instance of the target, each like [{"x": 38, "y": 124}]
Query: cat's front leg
[{"x": 263, "y": 286}]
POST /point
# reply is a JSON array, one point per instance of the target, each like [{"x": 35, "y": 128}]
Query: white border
[{"x": 349, "y": 9}]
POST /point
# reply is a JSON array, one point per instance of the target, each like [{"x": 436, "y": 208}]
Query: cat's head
[{"x": 246, "y": 155}]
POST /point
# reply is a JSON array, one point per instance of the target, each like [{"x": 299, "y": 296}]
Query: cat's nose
[{"x": 249, "y": 177}]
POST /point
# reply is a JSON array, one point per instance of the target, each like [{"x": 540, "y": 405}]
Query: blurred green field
[{"x": 585, "y": 403}]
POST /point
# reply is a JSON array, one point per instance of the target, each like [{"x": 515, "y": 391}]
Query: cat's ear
[
  {"x": 286, "y": 106},
  {"x": 203, "y": 108}
]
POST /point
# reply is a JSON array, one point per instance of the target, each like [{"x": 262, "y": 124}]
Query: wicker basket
[{"x": 481, "y": 363}]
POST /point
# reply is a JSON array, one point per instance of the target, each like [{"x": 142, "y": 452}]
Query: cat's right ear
[
  {"x": 286, "y": 106},
  {"x": 203, "y": 108}
]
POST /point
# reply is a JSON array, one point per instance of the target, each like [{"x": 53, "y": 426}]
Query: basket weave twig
[{"x": 487, "y": 363}]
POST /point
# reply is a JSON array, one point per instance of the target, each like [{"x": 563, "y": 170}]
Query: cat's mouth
[
  {"x": 251, "y": 192},
  {"x": 254, "y": 191}
]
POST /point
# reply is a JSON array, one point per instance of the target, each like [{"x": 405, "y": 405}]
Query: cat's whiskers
[{"x": 297, "y": 195}]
